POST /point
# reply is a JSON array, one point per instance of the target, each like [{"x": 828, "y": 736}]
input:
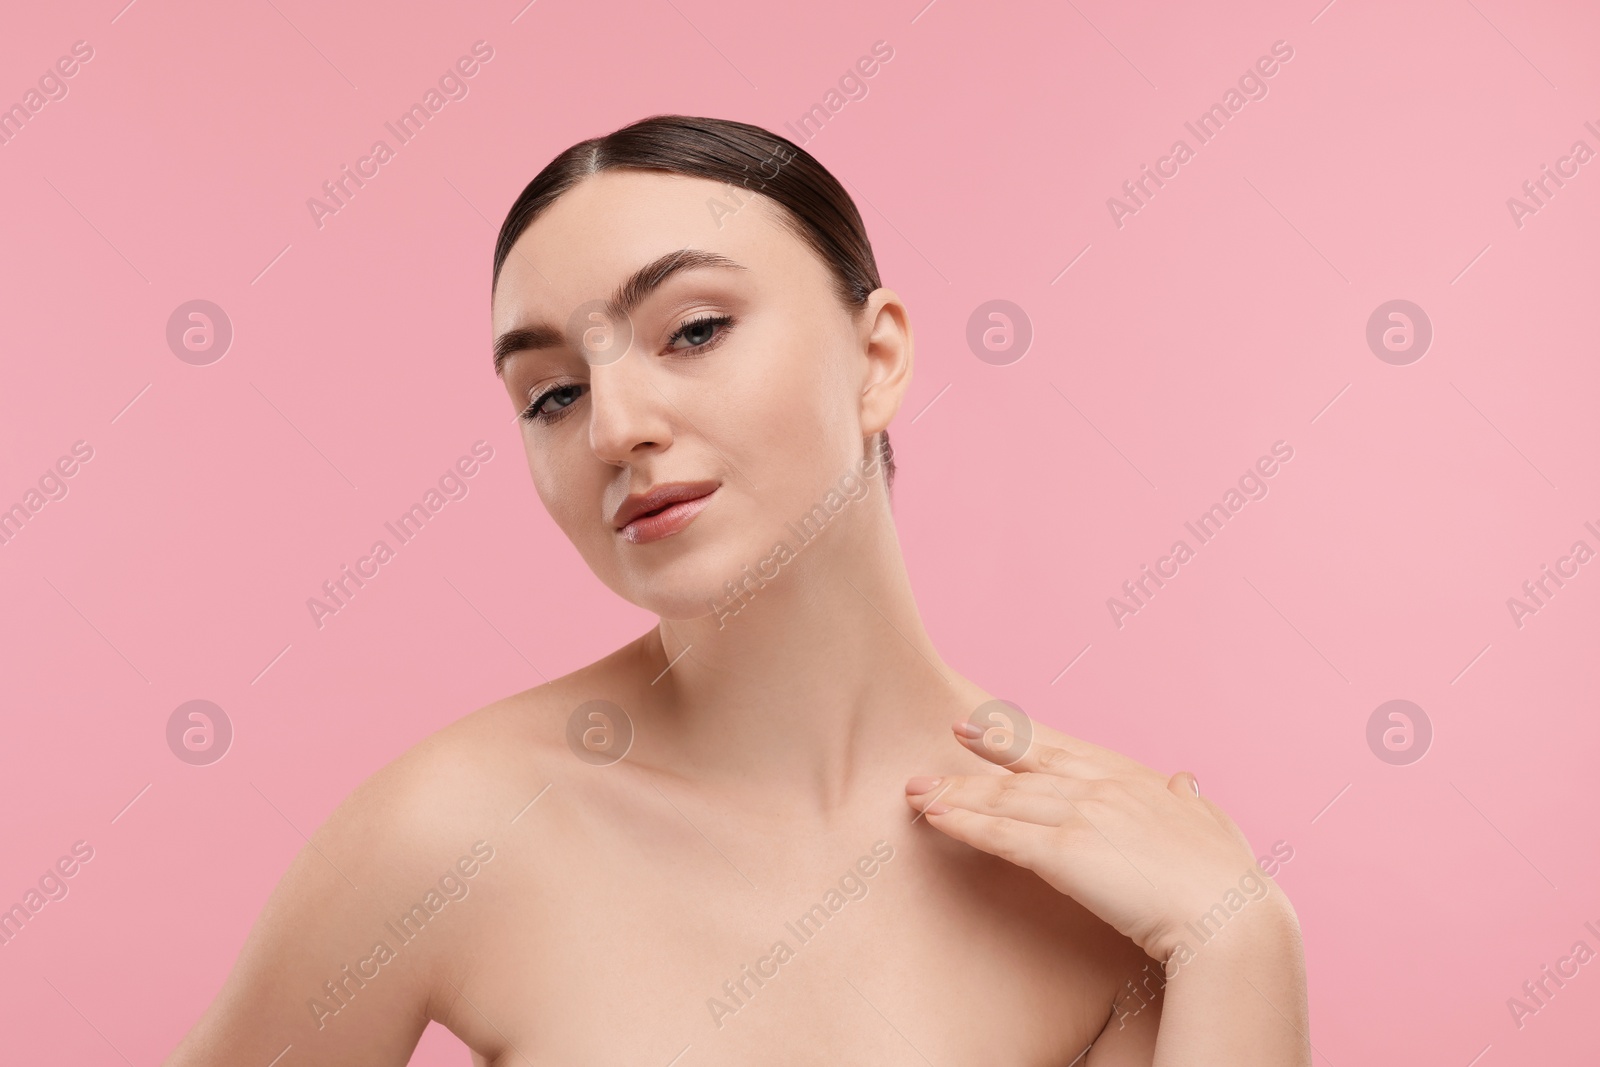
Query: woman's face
[{"x": 744, "y": 377}]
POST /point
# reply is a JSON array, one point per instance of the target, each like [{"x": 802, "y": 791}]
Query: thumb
[{"x": 1184, "y": 784}]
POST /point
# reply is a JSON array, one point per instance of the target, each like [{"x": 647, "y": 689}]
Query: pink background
[{"x": 1224, "y": 316}]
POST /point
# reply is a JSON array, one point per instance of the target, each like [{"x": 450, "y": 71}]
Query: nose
[{"x": 627, "y": 412}]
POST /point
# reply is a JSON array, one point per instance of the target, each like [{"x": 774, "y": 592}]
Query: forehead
[{"x": 611, "y": 223}]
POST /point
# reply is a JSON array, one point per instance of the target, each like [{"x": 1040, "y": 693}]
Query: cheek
[
  {"x": 570, "y": 501},
  {"x": 789, "y": 411}
]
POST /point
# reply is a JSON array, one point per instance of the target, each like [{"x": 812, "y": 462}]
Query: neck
[{"x": 820, "y": 683}]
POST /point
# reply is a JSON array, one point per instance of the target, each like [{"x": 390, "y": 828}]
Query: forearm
[{"x": 1238, "y": 999}]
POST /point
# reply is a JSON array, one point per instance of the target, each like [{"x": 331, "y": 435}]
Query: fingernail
[
  {"x": 1194, "y": 783},
  {"x": 971, "y": 731},
  {"x": 921, "y": 784},
  {"x": 938, "y": 807}
]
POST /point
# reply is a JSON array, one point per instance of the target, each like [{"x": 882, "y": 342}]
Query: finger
[
  {"x": 1049, "y": 735},
  {"x": 1004, "y": 734},
  {"x": 1013, "y": 841},
  {"x": 1184, "y": 784},
  {"x": 974, "y": 785},
  {"x": 1022, "y": 750},
  {"x": 1006, "y": 796}
]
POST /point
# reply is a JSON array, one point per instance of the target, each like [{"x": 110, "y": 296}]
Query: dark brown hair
[{"x": 816, "y": 209}]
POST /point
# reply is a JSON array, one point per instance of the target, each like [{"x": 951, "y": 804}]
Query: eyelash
[{"x": 529, "y": 413}]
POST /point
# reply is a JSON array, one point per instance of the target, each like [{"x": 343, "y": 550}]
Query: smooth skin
[{"x": 780, "y": 755}]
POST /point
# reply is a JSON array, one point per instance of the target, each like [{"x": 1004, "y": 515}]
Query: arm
[
  {"x": 1241, "y": 997},
  {"x": 1246, "y": 977},
  {"x": 1168, "y": 870},
  {"x": 309, "y": 979}
]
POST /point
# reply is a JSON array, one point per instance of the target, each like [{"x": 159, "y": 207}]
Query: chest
[{"x": 900, "y": 947}]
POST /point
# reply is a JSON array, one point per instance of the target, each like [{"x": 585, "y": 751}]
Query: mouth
[{"x": 663, "y": 511}]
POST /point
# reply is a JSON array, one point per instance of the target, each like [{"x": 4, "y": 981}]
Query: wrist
[{"x": 1264, "y": 926}]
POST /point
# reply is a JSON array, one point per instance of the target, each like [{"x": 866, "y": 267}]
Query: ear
[{"x": 887, "y": 343}]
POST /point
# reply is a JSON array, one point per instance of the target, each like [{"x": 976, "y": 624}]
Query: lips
[{"x": 659, "y": 499}]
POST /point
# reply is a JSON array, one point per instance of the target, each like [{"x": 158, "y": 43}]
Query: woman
[{"x": 752, "y": 834}]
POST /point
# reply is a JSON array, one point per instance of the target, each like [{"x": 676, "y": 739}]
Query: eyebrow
[{"x": 640, "y": 284}]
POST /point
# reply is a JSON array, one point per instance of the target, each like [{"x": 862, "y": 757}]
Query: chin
[{"x": 684, "y": 584}]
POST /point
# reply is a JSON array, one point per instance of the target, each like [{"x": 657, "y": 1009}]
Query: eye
[
  {"x": 563, "y": 395},
  {"x": 702, "y": 332}
]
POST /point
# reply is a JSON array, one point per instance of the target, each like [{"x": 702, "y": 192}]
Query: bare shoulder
[
  {"x": 482, "y": 768},
  {"x": 343, "y": 963},
  {"x": 460, "y": 775}
]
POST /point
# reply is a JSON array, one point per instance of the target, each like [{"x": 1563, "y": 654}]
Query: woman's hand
[{"x": 1145, "y": 853}]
